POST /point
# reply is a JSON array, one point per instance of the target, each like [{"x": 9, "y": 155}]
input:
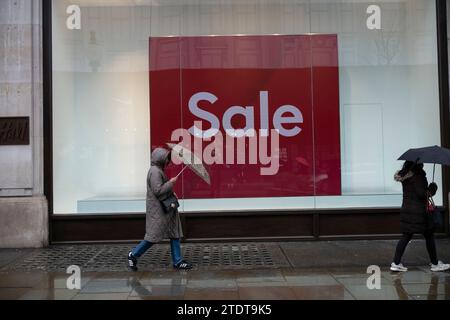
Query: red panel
[
  {"x": 235, "y": 70},
  {"x": 326, "y": 115}
]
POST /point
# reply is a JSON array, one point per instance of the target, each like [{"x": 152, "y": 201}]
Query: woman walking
[
  {"x": 159, "y": 224},
  {"x": 413, "y": 214}
]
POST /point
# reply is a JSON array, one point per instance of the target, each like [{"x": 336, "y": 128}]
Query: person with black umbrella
[{"x": 416, "y": 192}]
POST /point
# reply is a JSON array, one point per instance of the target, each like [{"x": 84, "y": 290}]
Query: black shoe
[
  {"x": 183, "y": 265},
  {"x": 132, "y": 262}
]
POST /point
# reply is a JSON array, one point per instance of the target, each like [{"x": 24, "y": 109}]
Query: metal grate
[{"x": 113, "y": 257}]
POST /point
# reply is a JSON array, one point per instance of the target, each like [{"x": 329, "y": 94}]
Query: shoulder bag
[
  {"x": 170, "y": 203},
  {"x": 434, "y": 216}
]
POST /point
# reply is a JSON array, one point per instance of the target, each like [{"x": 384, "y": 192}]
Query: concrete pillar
[{"x": 23, "y": 207}]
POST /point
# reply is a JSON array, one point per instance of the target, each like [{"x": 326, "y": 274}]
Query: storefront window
[{"x": 349, "y": 86}]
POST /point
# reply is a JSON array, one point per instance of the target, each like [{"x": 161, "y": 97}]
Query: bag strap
[
  {"x": 432, "y": 201},
  {"x": 430, "y": 204}
]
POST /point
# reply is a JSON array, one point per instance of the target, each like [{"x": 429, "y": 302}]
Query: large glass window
[{"x": 351, "y": 85}]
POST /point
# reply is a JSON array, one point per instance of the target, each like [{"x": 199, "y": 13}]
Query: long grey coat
[{"x": 160, "y": 225}]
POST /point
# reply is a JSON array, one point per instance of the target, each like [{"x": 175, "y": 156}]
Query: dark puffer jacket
[{"x": 415, "y": 194}]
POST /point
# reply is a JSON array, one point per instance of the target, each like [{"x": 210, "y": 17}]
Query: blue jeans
[{"x": 175, "y": 250}]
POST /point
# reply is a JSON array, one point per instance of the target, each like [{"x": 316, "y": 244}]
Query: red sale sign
[{"x": 262, "y": 111}]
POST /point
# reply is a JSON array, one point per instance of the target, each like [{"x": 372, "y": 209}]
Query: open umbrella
[
  {"x": 433, "y": 154},
  {"x": 191, "y": 161}
]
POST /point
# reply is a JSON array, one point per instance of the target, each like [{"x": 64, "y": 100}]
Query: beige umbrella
[{"x": 191, "y": 161}]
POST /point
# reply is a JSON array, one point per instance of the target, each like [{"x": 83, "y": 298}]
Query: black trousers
[{"x": 431, "y": 247}]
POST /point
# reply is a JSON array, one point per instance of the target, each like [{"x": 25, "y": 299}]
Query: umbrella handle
[
  {"x": 434, "y": 168},
  {"x": 181, "y": 172}
]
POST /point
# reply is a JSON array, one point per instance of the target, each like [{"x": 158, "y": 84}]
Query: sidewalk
[{"x": 270, "y": 270}]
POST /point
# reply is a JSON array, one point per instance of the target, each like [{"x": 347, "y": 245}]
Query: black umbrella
[{"x": 434, "y": 154}]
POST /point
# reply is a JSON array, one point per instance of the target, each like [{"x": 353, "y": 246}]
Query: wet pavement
[
  {"x": 282, "y": 284},
  {"x": 229, "y": 271}
]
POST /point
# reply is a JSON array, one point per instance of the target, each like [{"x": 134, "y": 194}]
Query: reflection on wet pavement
[{"x": 283, "y": 284}]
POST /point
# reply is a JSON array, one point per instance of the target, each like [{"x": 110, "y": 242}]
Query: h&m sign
[{"x": 14, "y": 131}]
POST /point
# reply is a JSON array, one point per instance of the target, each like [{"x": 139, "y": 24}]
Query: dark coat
[
  {"x": 415, "y": 195},
  {"x": 160, "y": 225}
]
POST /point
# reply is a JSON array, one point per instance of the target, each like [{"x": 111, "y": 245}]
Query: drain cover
[{"x": 113, "y": 257}]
